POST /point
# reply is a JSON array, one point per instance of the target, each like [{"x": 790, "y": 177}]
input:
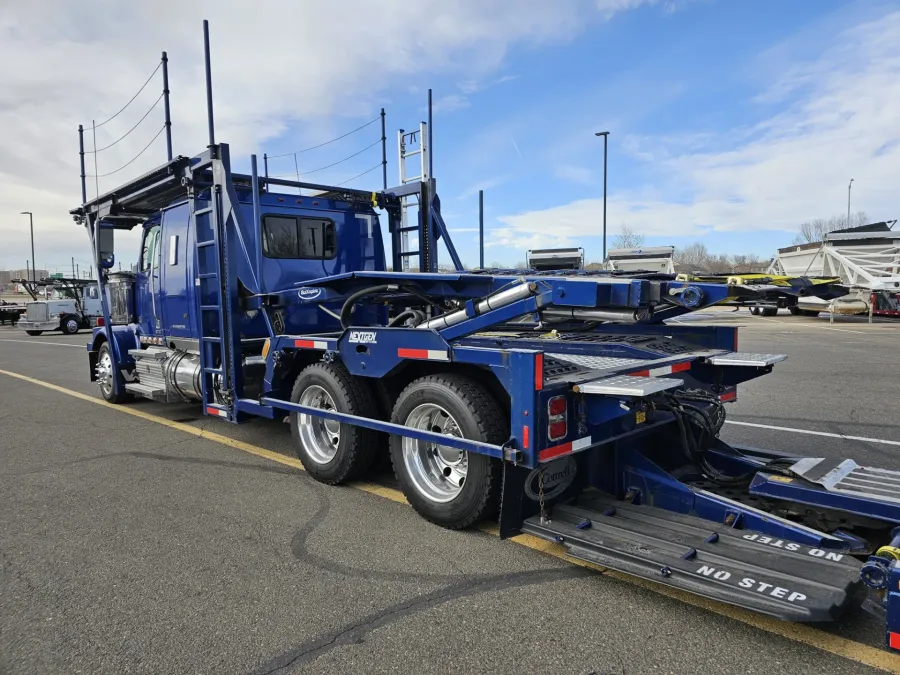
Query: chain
[{"x": 544, "y": 518}]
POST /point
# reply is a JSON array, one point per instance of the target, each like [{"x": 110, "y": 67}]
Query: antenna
[
  {"x": 168, "y": 122},
  {"x": 209, "y": 96}
]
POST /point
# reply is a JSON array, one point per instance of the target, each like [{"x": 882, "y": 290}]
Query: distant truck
[
  {"x": 646, "y": 259},
  {"x": 73, "y": 304}
]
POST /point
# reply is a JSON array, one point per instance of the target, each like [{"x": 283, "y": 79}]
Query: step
[
  {"x": 628, "y": 385},
  {"x": 703, "y": 557},
  {"x": 145, "y": 390},
  {"x": 747, "y": 359},
  {"x": 149, "y": 353}
]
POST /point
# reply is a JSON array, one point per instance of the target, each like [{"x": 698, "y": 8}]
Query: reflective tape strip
[
  {"x": 311, "y": 344},
  {"x": 894, "y": 641},
  {"x": 219, "y": 412},
  {"x": 663, "y": 370},
  {"x": 425, "y": 354},
  {"x": 728, "y": 396},
  {"x": 564, "y": 449}
]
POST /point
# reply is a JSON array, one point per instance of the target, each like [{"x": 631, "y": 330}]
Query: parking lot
[{"x": 149, "y": 539}]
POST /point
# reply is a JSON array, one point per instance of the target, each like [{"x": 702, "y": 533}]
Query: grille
[{"x": 36, "y": 311}]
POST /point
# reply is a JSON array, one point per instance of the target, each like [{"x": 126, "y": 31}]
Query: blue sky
[
  {"x": 731, "y": 121},
  {"x": 524, "y": 132}
]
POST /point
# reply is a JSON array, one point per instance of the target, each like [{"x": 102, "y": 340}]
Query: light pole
[
  {"x": 849, "y": 185},
  {"x": 31, "y": 225},
  {"x": 605, "y": 135}
]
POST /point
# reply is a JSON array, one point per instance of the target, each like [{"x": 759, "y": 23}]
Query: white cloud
[
  {"x": 839, "y": 119},
  {"x": 62, "y": 64},
  {"x": 450, "y": 103}
]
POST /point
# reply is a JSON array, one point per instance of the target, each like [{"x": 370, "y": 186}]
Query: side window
[
  {"x": 150, "y": 249},
  {"x": 92, "y": 293},
  {"x": 299, "y": 238},
  {"x": 280, "y": 237}
]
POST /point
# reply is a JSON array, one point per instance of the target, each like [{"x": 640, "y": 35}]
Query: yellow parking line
[{"x": 833, "y": 644}]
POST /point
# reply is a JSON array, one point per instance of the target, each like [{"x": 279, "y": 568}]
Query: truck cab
[
  {"x": 68, "y": 306},
  {"x": 302, "y": 237}
]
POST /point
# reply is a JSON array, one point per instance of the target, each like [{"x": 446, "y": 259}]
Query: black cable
[
  {"x": 359, "y": 175},
  {"x": 91, "y": 152},
  {"x": 104, "y": 175},
  {"x": 347, "y": 308},
  {"x": 416, "y": 315},
  {"x": 159, "y": 65},
  {"x": 697, "y": 427},
  {"x": 320, "y": 145},
  {"x": 322, "y": 168}
]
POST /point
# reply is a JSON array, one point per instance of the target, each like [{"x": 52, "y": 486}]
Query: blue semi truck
[{"x": 558, "y": 402}]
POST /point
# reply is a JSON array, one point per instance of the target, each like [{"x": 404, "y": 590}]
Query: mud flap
[{"x": 772, "y": 576}]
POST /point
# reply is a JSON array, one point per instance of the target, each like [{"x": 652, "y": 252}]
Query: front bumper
[{"x": 50, "y": 324}]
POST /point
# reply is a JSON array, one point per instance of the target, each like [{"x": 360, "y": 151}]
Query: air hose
[{"x": 350, "y": 302}]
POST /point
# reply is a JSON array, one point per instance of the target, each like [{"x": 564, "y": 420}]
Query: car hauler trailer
[
  {"x": 63, "y": 304},
  {"x": 867, "y": 261},
  {"x": 559, "y": 403}
]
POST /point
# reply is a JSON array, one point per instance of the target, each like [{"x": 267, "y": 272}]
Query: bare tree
[
  {"x": 627, "y": 238},
  {"x": 815, "y": 230},
  {"x": 696, "y": 255}
]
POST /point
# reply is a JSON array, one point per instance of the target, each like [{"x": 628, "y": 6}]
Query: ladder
[
  {"x": 213, "y": 302},
  {"x": 411, "y": 144}
]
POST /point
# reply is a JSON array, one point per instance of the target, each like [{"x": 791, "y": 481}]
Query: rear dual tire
[
  {"x": 451, "y": 488},
  {"x": 331, "y": 452}
]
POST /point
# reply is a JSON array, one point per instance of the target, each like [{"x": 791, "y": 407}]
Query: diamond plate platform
[
  {"x": 848, "y": 477},
  {"x": 746, "y": 359},
  {"x": 596, "y": 362},
  {"x": 627, "y": 385}
]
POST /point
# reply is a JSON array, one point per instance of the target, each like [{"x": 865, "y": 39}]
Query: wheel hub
[
  {"x": 437, "y": 471},
  {"x": 320, "y": 437},
  {"x": 104, "y": 372}
]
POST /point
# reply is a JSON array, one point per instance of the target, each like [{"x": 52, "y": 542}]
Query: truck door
[
  {"x": 177, "y": 311},
  {"x": 147, "y": 283},
  {"x": 90, "y": 301}
]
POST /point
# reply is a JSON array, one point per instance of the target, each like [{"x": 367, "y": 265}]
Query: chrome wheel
[
  {"x": 437, "y": 471},
  {"x": 320, "y": 437},
  {"x": 72, "y": 326},
  {"x": 104, "y": 373}
]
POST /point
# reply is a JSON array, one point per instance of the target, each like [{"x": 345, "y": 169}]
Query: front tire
[
  {"x": 331, "y": 452},
  {"x": 104, "y": 372},
  {"x": 69, "y": 325},
  {"x": 451, "y": 488}
]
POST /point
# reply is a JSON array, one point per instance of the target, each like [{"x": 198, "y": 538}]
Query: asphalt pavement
[{"x": 131, "y": 545}]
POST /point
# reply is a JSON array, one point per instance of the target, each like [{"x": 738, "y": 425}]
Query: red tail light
[
  {"x": 556, "y": 409},
  {"x": 557, "y": 406},
  {"x": 101, "y": 321},
  {"x": 558, "y": 430}
]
